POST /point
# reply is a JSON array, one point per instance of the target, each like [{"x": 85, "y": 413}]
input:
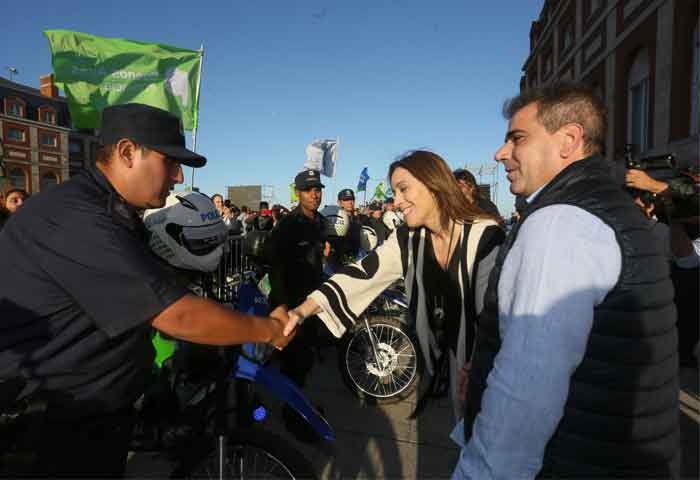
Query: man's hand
[
  {"x": 640, "y": 180},
  {"x": 281, "y": 321},
  {"x": 326, "y": 250},
  {"x": 463, "y": 382}
]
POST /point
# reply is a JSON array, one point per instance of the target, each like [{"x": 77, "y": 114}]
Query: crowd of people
[{"x": 559, "y": 333}]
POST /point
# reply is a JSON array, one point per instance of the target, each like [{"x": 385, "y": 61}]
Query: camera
[
  {"x": 666, "y": 161},
  {"x": 683, "y": 185}
]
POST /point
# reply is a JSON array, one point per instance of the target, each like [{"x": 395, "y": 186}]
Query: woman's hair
[{"x": 433, "y": 172}]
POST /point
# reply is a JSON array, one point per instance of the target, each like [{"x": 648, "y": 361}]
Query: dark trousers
[
  {"x": 77, "y": 446},
  {"x": 297, "y": 359}
]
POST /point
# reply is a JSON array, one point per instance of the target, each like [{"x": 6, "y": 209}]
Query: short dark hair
[
  {"x": 21, "y": 191},
  {"x": 563, "y": 103},
  {"x": 3, "y": 197},
  {"x": 105, "y": 152},
  {"x": 264, "y": 205},
  {"x": 464, "y": 175}
]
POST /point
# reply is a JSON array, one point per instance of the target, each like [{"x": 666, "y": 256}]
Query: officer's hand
[
  {"x": 326, "y": 250},
  {"x": 641, "y": 180},
  {"x": 463, "y": 382},
  {"x": 280, "y": 320}
]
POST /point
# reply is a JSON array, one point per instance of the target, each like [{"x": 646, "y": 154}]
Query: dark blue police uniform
[{"x": 79, "y": 289}]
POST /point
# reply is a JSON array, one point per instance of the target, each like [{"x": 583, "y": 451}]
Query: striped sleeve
[{"x": 349, "y": 292}]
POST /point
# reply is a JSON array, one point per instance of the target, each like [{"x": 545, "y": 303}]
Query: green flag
[
  {"x": 293, "y": 193},
  {"x": 388, "y": 192},
  {"x": 96, "y": 72},
  {"x": 379, "y": 191}
]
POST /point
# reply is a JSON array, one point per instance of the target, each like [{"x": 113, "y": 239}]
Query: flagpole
[
  {"x": 196, "y": 97},
  {"x": 335, "y": 165}
]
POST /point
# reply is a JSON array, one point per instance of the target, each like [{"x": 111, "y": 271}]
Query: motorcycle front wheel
[
  {"x": 386, "y": 372},
  {"x": 249, "y": 453}
]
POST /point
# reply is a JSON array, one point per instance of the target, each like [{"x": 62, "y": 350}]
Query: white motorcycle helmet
[
  {"x": 368, "y": 238},
  {"x": 337, "y": 221},
  {"x": 391, "y": 220},
  {"x": 187, "y": 232}
]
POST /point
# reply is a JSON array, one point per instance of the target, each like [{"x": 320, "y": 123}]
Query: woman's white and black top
[
  {"x": 442, "y": 296},
  {"x": 455, "y": 295}
]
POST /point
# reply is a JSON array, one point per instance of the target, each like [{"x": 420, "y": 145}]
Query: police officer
[
  {"x": 85, "y": 290},
  {"x": 348, "y": 249},
  {"x": 295, "y": 254},
  {"x": 375, "y": 221}
]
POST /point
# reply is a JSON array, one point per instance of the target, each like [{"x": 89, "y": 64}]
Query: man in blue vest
[{"x": 575, "y": 369}]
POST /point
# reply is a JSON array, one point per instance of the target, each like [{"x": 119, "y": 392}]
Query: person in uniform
[
  {"x": 295, "y": 254},
  {"x": 351, "y": 242},
  {"x": 86, "y": 290}
]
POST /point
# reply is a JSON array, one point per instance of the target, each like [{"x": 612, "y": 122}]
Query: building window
[
  {"x": 695, "y": 85},
  {"x": 591, "y": 8},
  {"x": 49, "y": 140},
  {"x": 15, "y": 110},
  {"x": 47, "y": 115},
  {"x": 598, "y": 91},
  {"x": 15, "y": 134},
  {"x": 14, "y": 107},
  {"x": 18, "y": 178},
  {"x": 547, "y": 65},
  {"x": 75, "y": 147},
  {"x": 568, "y": 37},
  {"x": 638, "y": 103},
  {"x": 48, "y": 179}
]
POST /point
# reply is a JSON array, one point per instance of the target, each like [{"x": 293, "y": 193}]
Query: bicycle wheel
[
  {"x": 250, "y": 453},
  {"x": 393, "y": 374}
]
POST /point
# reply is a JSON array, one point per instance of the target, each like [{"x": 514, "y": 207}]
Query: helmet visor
[{"x": 198, "y": 241}]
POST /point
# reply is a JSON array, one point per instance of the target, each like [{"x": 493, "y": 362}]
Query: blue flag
[{"x": 362, "y": 184}]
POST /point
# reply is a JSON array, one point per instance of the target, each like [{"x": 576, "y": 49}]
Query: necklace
[{"x": 449, "y": 248}]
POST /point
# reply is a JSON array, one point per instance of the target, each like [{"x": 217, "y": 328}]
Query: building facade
[
  {"x": 642, "y": 57},
  {"x": 35, "y": 128}
]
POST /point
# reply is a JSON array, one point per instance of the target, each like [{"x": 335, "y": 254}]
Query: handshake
[{"x": 286, "y": 322}]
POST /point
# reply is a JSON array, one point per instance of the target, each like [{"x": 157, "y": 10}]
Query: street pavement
[{"x": 382, "y": 442}]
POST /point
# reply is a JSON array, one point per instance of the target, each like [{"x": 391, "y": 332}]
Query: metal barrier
[{"x": 229, "y": 274}]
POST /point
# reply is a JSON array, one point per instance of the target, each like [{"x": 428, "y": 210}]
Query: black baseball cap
[
  {"x": 308, "y": 179},
  {"x": 150, "y": 127},
  {"x": 346, "y": 194},
  {"x": 389, "y": 200}
]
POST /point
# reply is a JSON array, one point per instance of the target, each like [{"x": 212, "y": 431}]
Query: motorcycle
[
  {"x": 379, "y": 358},
  {"x": 203, "y": 410}
]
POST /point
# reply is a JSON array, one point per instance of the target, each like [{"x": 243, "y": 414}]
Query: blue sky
[{"x": 384, "y": 76}]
